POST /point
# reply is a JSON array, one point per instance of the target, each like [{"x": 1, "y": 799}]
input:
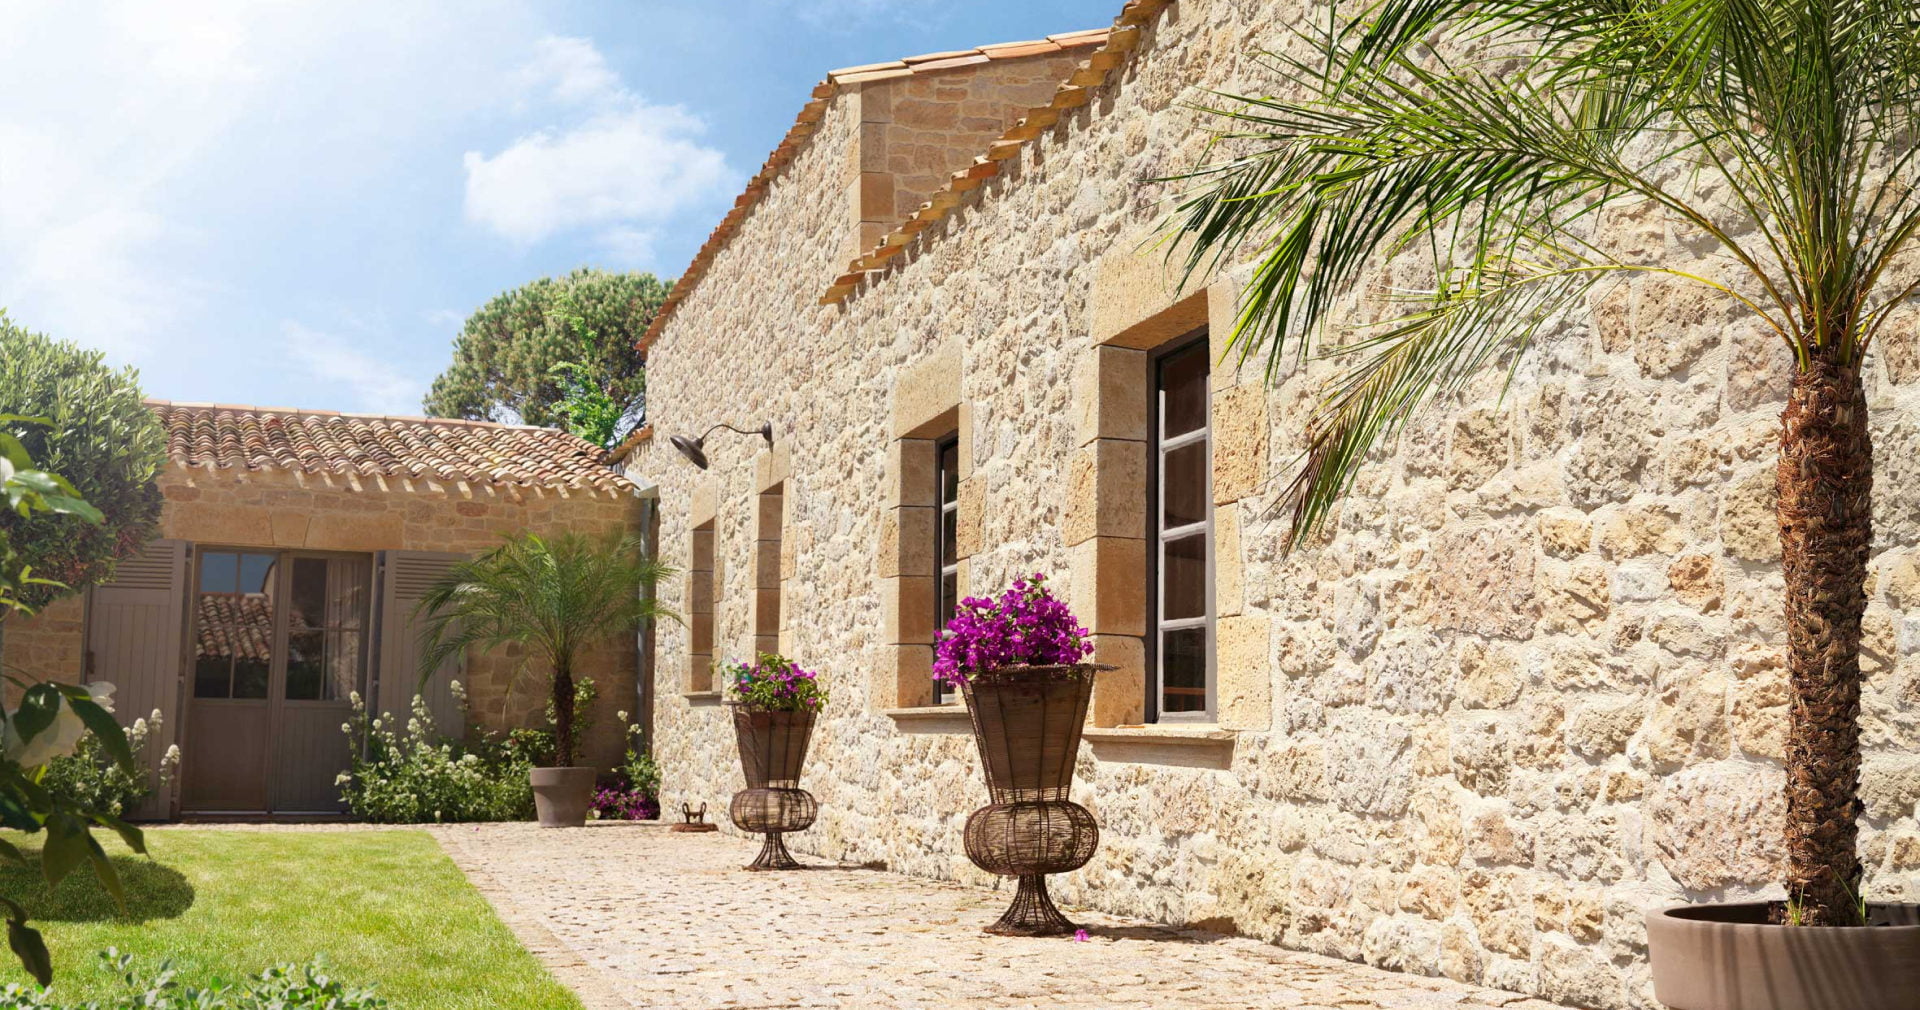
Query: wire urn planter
[
  {"x": 773, "y": 745},
  {"x": 1027, "y": 722}
]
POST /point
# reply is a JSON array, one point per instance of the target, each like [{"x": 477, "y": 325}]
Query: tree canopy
[
  {"x": 538, "y": 352},
  {"x": 92, "y": 429}
]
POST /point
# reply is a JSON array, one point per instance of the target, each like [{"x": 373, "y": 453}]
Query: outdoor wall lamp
[{"x": 695, "y": 449}]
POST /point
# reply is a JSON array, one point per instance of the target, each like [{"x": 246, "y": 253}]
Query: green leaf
[
  {"x": 14, "y": 452},
  {"x": 65, "y": 848},
  {"x": 69, "y": 505},
  {"x": 103, "y": 869},
  {"x": 28, "y": 946},
  {"x": 8, "y": 850},
  {"x": 38, "y": 707},
  {"x": 134, "y": 837},
  {"x": 104, "y": 727}
]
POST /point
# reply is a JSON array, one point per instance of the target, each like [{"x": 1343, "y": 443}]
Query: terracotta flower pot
[
  {"x": 1027, "y": 723},
  {"x": 773, "y": 746},
  {"x": 562, "y": 796},
  {"x": 1730, "y": 957}
]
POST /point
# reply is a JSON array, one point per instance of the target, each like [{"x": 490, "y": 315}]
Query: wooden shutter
[
  {"x": 135, "y": 626},
  {"x": 403, "y": 579}
]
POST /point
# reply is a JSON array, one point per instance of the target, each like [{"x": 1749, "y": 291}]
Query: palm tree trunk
[
  {"x": 563, "y": 713},
  {"x": 1826, "y": 528}
]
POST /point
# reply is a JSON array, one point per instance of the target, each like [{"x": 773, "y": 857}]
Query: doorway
[{"x": 280, "y": 644}]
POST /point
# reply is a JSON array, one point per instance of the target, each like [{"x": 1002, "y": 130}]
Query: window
[
  {"x": 700, "y": 597},
  {"x": 1180, "y": 550},
  {"x": 298, "y": 619},
  {"x": 946, "y": 556}
]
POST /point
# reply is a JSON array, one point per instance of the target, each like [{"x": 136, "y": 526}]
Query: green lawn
[{"x": 384, "y": 907}]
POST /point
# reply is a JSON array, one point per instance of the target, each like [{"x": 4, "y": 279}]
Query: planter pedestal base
[
  {"x": 1032, "y": 912},
  {"x": 774, "y": 855}
]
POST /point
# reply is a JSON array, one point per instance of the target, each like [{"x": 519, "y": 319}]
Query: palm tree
[
  {"x": 1488, "y": 136},
  {"x": 553, "y": 596}
]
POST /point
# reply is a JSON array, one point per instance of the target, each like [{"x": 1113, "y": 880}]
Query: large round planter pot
[
  {"x": 561, "y": 796},
  {"x": 773, "y": 746},
  {"x": 1027, "y": 722},
  {"x": 1730, "y": 957}
]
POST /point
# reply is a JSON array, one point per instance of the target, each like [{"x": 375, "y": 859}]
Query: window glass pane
[
  {"x": 1183, "y": 483},
  {"x": 212, "y": 665},
  {"x": 1183, "y": 391},
  {"x": 256, "y": 574},
  {"x": 949, "y": 588},
  {"x": 949, "y": 525},
  {"x": 1183, "y": 578},
  {"x": 306, "y": 665},
  {"x": 1183, "y": 670},
  {"x": 949, "y": 472},
  {"x": 250, "y": 677},
  {"x": 347, "y": 590},
  {"x": 309, "y": 602},
  {"x": 219, "y": 572},
  {"x": 343, "y": 665}
]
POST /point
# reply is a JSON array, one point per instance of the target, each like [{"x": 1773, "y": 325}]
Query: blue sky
[{"x": 296, "y": 203}]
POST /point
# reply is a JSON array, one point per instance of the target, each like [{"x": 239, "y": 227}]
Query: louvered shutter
[
  {"x": 134, "y": 628},
  {"x": 404, "y": 578}
]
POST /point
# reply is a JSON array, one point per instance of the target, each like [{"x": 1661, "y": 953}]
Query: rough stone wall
[
  {"x": 938, "y": 122},
  {"x": 281, "y": 510},
  {"x": 1530, "y": 687}
]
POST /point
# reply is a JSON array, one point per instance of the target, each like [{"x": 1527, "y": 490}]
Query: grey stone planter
[
  {"x": 1730, "y": 957},
  {"x": 561, "y": 796}
]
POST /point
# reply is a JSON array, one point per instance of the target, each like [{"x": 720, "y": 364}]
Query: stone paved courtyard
[{"x": 637, "y": 916}]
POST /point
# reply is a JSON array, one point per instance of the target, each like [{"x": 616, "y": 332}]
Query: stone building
[
  {"x": 292, "y": 548},
  {"x": 1530, "y": 686}
]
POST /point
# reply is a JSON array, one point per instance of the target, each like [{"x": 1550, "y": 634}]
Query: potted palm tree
[
  {"x": 1488, "y": 136},
  {"x": 554, "y": 596},
  {"x": 1020, "y": 662}
]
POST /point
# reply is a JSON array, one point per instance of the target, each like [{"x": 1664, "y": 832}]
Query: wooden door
[
  {"x": 404, "y": 578},
  {"x": 236, "y": 639},
  {"x": 134, "y": 628},
  {"x": 280, "y": 646}
]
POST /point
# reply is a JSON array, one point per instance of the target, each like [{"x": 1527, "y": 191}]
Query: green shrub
[
  {"x": 101, "y": 438},
  {"x": 91, "y": 777},
  {"x": 417, "y": 776},
  {"x": 286, "y": 987}
]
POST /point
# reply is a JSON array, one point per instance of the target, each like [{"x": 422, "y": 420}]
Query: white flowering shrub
[
  {"x": 412, "y": 774},
  {"x": 91, "y": 776}
]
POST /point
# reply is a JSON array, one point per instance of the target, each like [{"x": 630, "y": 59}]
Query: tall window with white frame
[
  {"x": 946, "y": 583},
  {"x": 1180, "y": 677}
]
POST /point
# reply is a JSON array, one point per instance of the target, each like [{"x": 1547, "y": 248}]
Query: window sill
[
  {"x": 932, "y": 719},
  {"x": 699, "y": 699},
  {"x": 1189, "y": 745}
]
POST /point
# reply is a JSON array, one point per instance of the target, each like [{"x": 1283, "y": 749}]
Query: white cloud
[
  {"x": 620, "y": 168},
  {"x": 373, "y": 383}
]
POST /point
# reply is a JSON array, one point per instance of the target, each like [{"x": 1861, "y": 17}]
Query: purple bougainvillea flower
[{"x": 1026, "y": 626}]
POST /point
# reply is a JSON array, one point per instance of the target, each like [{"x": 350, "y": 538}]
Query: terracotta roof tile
[
  {"x": 808, "y": 121},
  {"x": 1114, "y": 43},
  {"x": 230, "y": 436}
]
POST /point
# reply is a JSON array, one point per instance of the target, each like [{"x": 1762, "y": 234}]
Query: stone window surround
[
  {"x": 1137, "y": 306},
  {"x": 926, "y": 413}
]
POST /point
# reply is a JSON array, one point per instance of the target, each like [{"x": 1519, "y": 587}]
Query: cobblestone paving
[{"x": 636, "y": 916}]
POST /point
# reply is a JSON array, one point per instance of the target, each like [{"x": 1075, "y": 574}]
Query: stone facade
[
  {"x": 1529, "y": 687},
  {"x": 234, "y": 508}
]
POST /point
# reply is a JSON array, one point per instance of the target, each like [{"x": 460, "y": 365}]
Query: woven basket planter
[
  {"x": 1027, "y": 723},
  {"x": 773, "y": 746}
]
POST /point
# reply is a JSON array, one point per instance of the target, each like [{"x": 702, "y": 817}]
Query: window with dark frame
[
  {"x": 1180, "y": 549},
  {"x": 262, "y": 614},
  {"x": 946, "y": 584}
]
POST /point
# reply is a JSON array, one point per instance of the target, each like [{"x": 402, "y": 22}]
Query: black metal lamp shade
[{"x": 695, "y": 449}]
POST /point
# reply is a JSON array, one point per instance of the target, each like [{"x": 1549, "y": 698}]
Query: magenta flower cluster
[
  {"x": 1026, "y": 626},
  {"x": 616, "y": 804},
  {"x": 777, "y": 684}
]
